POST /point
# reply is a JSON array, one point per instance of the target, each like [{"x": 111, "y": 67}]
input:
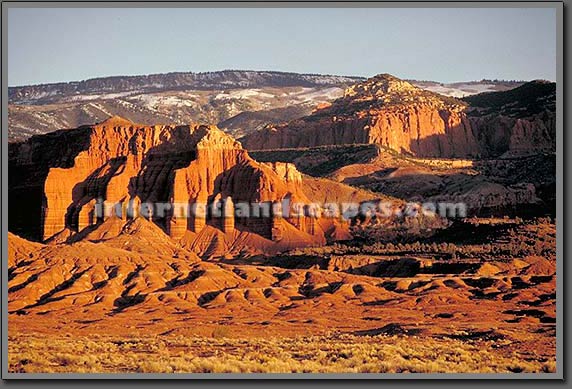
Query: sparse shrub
[
  {"x": 330, "y": 353},
  {"x": 220, "y": 332}
]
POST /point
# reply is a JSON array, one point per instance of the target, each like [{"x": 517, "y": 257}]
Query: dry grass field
[{"x": 332, "y": 353}]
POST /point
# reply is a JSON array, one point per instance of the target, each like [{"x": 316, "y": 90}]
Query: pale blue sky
[{"x": 52, "y": 45}]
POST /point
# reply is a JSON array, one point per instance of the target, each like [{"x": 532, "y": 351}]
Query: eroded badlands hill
[
  {"x": 494, "y": 293},
  {"x": 393, "y": 113}
]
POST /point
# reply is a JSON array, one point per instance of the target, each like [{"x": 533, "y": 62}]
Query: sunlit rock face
[
  {"x": 393, "y": 113},
  {"x": 121, "y": 166}
]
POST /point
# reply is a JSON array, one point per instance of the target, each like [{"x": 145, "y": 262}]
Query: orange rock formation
[
  {"x": 382, "y": 110},
  {"x": 187, "y": 174},
  {"x": 393, "y": 113}
]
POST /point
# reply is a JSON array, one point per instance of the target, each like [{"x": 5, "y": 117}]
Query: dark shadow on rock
[{"x": 28, "y": 165}]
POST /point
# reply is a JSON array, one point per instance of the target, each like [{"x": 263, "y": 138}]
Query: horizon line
[{"x": 269, "y": 71}]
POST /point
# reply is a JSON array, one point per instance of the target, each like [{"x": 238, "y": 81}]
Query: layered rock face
[
  {"x": 520, "y": 121},
  {"x": 120, "y": 166},
  {"x": 393, "y": 113},
  {"x": 28, "y": 167},
  {"x": 223, "y": 173},
  {"x": 382, "y": 110}
]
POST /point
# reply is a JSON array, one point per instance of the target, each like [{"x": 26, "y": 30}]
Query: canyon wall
[
  {"x": 416, "y": 130},
  {"x": 393, "y": 113},
  {"x": 121, "y": 165}
]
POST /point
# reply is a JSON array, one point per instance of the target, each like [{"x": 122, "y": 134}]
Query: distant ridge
[
  {"x": 225, "y": 79},
  {"x": 238, "y": 101}
]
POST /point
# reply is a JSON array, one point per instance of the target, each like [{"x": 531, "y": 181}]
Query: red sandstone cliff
[
  {"x": 388, "y": 111},
  {"x": 520, "y": 121},
  {"x": 382, "y": 110},
  {"x": 126, "y": 164}
]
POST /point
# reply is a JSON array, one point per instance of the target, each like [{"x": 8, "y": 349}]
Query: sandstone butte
[
  {"x": 393, "y": 113},
  {"x": 126, "y": 163}
]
